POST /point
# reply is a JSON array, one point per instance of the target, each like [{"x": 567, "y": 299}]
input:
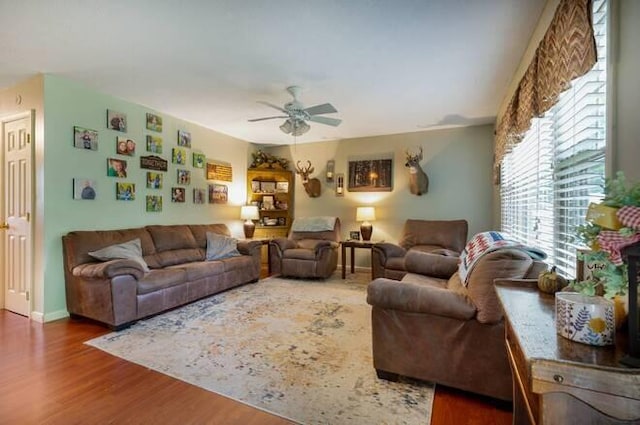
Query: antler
[
  {"x": 411, "y": 157},
  {"x": 304, "y": 170}
]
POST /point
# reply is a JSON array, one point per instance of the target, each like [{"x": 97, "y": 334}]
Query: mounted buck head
[
  {"x": 418, "y": 180},
  {"x": 311, "y": 186}
]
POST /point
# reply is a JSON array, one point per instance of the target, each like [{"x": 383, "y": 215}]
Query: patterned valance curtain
[{"x": 567, "y": 51}]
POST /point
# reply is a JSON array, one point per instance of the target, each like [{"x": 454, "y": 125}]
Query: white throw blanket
[
  {"x": 484, "y": 243},
  {"x": 313, "y": 224}
]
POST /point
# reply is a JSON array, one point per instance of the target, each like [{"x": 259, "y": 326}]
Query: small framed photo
[
  {"x": 154, "y": 122},
  {"x": 282, "y": 221},
  {"x": 282, "y": 187},
  {"x": 84, "y": 188},
  {"x": 116, "y": 167},
  {"x": 198, "y": 160},
  {"x": 267, "y": 203},
  {"x": 184, "y": 138},
  {"x": 199, "y": 196},
  {"x": 85, "y": 138},
  {"x": 116, "y": 121},
  {"x": 184, "y": 177},
  {"x": 179, "y": 156},
  {"x": 268, "y": 187},
  {"x": 125, "y": 146},
  {"x": 154, "y": 180},
  {"x": 255, "y": 186},
  {"x": 354, "y": 235},
  {"x": 154, "y": 203},
  {"x": 218, "y": 194},
  {"x": 154, "y": 144},
  {"x": 125, "y": 191},
  {"x": 177, "y": 194}
]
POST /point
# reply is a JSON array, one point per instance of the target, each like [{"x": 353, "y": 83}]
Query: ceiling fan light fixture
[
  {"x": 300, "y": 127},
  {"x": 287, "y": 127}
]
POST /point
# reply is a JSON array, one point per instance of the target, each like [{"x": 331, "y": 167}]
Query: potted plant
[{"x": 611, "y": 279}]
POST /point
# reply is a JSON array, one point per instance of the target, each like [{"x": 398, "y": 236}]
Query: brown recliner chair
[
  {"x": 444, "y": 237},
  {"x": 310, "y": 251},
  {"x": 430, "y": 326}
]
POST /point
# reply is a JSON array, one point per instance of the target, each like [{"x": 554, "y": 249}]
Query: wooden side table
[
  {"x": 264, "y": 242},
  {"x": 352, "y": 245},
  {"x": 558, "y": 381}
]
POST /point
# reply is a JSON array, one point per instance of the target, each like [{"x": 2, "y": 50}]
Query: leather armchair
[
  {"x": 305, "y": 253},
  {"x": 430, "y": 326},
  {"x": 443, "y": 237}
]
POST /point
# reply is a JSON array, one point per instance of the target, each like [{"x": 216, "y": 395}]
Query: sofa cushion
[
  {"x": 131, "y": 250},
  {"x": 220, "y": 247},
  {"x": 173, "y": 237},
  {"x": 161, "y": 279},
  {"x": 200, "y": 232},
  {"x": 179, "y": 256},
  {"x": 450, "y": 234},
  {"x": 441, "y": 266},
  {"x": 299, "y": 254},
  {"x": 200, "y": 269}
]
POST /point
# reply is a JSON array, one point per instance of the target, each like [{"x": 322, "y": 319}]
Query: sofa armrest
[
  {"x": 387, "y": 250},
  {"x": 109, "y": 269},
  {"x": 316, "y": 245},
  {"x": 248, "y": 247},
  {"x": 415, "y": 298},
  {"x": 529, "y": 283},
  {"x": 429, "y": 264}
]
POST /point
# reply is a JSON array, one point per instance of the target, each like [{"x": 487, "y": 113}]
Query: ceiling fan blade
[
  {"x": 325, "y": 108},
  {"x": 326, "y": 120},
  {"x": 267, "y": 118},
  {"x": 273, "y": 106}
]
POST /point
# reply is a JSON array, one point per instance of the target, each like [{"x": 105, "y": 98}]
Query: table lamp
[
  {"x": 366, "y": 214},
  {"x": 249, "y": 213}
]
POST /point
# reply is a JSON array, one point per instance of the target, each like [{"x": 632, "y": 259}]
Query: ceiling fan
[{"x": 297, "y": 115}]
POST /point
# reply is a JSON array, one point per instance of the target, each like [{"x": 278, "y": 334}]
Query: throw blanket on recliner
[
  {"x": 313, "y": 224},
  {"x": 484, "y": 243}
]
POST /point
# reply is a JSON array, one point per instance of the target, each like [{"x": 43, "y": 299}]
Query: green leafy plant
[{"x": 618, "y": 192}]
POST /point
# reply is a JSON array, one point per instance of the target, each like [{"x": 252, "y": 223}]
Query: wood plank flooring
[{"x": 48, "y": 376}]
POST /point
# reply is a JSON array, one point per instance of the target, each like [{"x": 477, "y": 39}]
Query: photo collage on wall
[{"x": 122, "y": 156}]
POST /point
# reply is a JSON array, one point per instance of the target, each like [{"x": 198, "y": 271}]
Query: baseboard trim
[{"x": 38, "y": 316}]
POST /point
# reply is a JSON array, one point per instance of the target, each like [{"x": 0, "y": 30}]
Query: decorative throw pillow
[
  {"x": 131, "y": 250},
  {"x": 220, "y": 247}
]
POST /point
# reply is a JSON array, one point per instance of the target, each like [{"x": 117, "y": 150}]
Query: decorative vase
[{"x": 585, "y": 319}]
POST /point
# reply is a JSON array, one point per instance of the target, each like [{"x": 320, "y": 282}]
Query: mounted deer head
[
  {"x": 418, "y": 180},
  {"x": 311, "y": 186}
]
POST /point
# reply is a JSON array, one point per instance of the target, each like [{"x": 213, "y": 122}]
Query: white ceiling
[{"x": 387, "y": 66}]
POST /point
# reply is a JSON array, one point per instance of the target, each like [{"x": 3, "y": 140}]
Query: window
[{"x": 549, "y": 179}]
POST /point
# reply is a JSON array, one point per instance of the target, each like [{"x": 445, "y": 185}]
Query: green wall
[
  {"x": 457, "y": 161},
  {"x": 68, "y": 104}
]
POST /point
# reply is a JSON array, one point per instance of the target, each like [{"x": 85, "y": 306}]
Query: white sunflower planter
[{"x": 585, "y": 319}]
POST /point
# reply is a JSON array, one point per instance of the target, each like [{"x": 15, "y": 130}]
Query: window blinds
[{"x": 549, "y": 179}]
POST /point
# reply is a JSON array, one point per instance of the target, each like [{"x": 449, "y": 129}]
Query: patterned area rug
[{"x": 299, "y": 349}]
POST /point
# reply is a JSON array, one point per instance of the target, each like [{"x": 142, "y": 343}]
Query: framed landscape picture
[
  {"x": 373, "y": 175},
  {"x": 85, "y": 138},
  {"x": 218, "y": 194}
]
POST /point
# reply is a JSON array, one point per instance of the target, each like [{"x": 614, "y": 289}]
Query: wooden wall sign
[
  {"x": 217, "y": 171},
  {"x": 153, "y": 162}
]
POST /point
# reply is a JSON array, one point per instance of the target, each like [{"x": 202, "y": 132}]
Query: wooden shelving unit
[{"x": 272, "y": 190}]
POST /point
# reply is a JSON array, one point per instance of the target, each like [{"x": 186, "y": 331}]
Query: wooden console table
[{"x": 558, "y": 381}]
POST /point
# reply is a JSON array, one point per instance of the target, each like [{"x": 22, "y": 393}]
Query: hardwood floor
[{"x": 48, "y": 376}]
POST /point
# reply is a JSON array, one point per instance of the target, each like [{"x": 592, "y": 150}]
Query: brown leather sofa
[
  {"x": 307, "y": 253},
  {"x": 444, "y": 237},
  {"x": 430, "y": 326},
  {"x": 119, "y": 292}
]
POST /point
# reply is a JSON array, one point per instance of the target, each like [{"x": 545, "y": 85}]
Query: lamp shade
[
  {"x": 249, "y": 212},
  {"x": 365, "y": 214}
]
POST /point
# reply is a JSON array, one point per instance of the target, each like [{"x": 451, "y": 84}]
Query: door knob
[{"x": 4, "y": 226}]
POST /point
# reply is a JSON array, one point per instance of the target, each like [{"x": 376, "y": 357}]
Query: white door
[{"x": 16, "y": 213}]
